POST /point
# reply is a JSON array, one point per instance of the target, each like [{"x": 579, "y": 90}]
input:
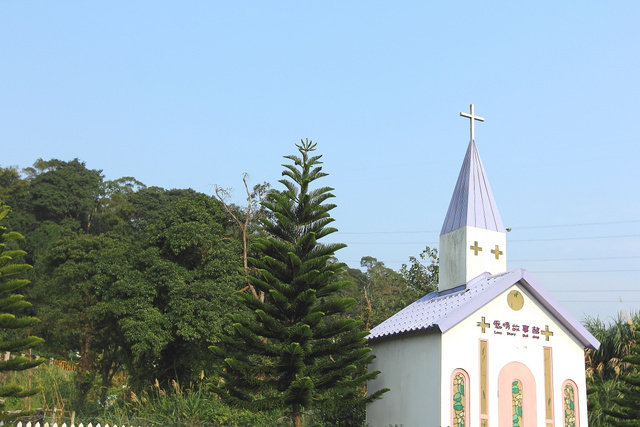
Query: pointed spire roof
[{"x": 472, "y": 203}]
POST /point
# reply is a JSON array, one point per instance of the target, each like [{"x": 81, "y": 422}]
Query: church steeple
[
  {"x": 472, "y": 202},
  {"x": 473, "y": 239}
]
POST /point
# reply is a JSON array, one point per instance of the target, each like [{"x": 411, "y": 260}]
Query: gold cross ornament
[
  {"x": 483, "y": 324},
  {"x": 547, "y": 332},
  {"x": 475, "y": 248},
  {"x": 497, "y": 252}
]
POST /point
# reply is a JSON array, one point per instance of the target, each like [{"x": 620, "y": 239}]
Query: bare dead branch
[{"x": 244, "y": 226}]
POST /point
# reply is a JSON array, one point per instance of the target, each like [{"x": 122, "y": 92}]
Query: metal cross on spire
[{"x": 471, "y": 118}]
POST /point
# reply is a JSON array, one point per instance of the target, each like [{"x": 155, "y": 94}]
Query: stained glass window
[
  {"x": 548, "y": 384},
  {"x": 516, "y": 396},
  {"x": 569, "y": 406},
  {"x": 459, "y": 401},
  {"x": 483, "y": 378}
]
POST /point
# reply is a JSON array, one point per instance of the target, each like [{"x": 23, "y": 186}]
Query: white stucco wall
[
  {"x": 461, "y": 350},
  {"x": 410, "y": 368},
  {"x": 459, "y": 264}
]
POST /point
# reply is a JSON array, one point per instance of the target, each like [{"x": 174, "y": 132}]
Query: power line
[
  {"x": 389, "y": 232},
  {"x": 576, "y": 238},
  {"x": 574, "y": 259},
  {"x": 388, "y": 243},
  {"x": 583, "y": 271},
  {"x": 535, "y": 260},
  {"x": 621, "y": 236},
  {"x": 598, "y": 290},
  {"x": 609, "y": 302},
  {"x": 584, "y": 224},
  {"x": 579, "y": 224}
]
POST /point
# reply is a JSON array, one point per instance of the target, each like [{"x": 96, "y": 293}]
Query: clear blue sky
[{"x": 191, "y": 94}]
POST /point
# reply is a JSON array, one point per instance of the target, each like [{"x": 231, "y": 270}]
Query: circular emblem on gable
[{"x": 515, "y": 300}]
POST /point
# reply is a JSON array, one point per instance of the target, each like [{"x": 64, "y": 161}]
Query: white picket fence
[{"x": 37, "y": 424}]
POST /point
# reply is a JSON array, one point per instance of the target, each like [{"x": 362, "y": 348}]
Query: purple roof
[
  {"x": 472, "y": 203},
  {"x": 444, "y": 310}
]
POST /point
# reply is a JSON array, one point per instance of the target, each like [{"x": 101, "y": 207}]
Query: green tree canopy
[
  {"x": 381, "y": 292},
  {"x": 191, "y": 268},
  {"x": 65, "y": 190},
  {"x": 151, "y": 304}
]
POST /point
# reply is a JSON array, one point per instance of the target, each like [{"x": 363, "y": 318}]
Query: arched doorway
[{"x": 516, "y": 396}]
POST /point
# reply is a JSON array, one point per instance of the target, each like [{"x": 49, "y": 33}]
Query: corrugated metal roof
[
  {"x": 445, "y": 309},
  {"x": 472, "y": 203},
  {"x": 429, "y": 310}
]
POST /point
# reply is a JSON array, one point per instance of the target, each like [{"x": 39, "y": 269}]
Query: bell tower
[{"x": 472, "y": 240}]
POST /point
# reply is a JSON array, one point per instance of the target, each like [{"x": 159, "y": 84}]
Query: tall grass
[
  {"x": 158, "y": 405},
  {"x": 59, "y": 387},
  {"x": 177, "y": 406}
]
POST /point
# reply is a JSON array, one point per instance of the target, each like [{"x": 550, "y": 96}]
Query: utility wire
[
  {"x": 523, "y": 241},
  {"x": 575, "y": 259},
  {"x": 535, "y": 260},
  {"x": 609, "y": 302},
  {"x": 388, "y": 232},
  {"x": 597, "y": 290},
  {"x": 578, "y": 225},
  {"x": 550, "y": 239},
  {"x": 577, "y": 238},
  {"x": 584, "y": 271},
  {"x": 514, "y": 227}
]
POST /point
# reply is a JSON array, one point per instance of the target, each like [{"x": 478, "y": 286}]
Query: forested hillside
[{"x": 135, "y": 281}]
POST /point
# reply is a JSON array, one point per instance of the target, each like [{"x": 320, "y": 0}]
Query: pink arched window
[{"x": 517, "y": 396}]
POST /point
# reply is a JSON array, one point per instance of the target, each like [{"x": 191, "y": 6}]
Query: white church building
[{"x": 490, "y": 347}]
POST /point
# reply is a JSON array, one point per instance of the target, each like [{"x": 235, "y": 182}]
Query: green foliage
[
  {"x": 80, "y": 267},
  {"x": 384, "y": 291},
  {"x": 65, "y": 190},
  {"x": 116, "y": 210},
  {"x": 616, "y": 340},
  {"x": 628, "y": 406},
  {"x": 150, "y": 204},
  {"x": 381, "y": 292},
  {"x": 150, "y": 305},
  {"x": 296, "y": 351},
  {"x": 13, "y": 192},
  {"x": 187, "y": 269},
  {"x": 600, "y": 393},
  {"x": 607, "y": 366},
  {"x": 421, "y": 279},
  {"x": 627, "y": 412},
  {"x": 12, "y": 336}
]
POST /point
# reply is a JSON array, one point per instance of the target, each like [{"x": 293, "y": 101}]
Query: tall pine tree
[
  {"x": 296, "y": 351},
  {"x": 11, "y": 339}
]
